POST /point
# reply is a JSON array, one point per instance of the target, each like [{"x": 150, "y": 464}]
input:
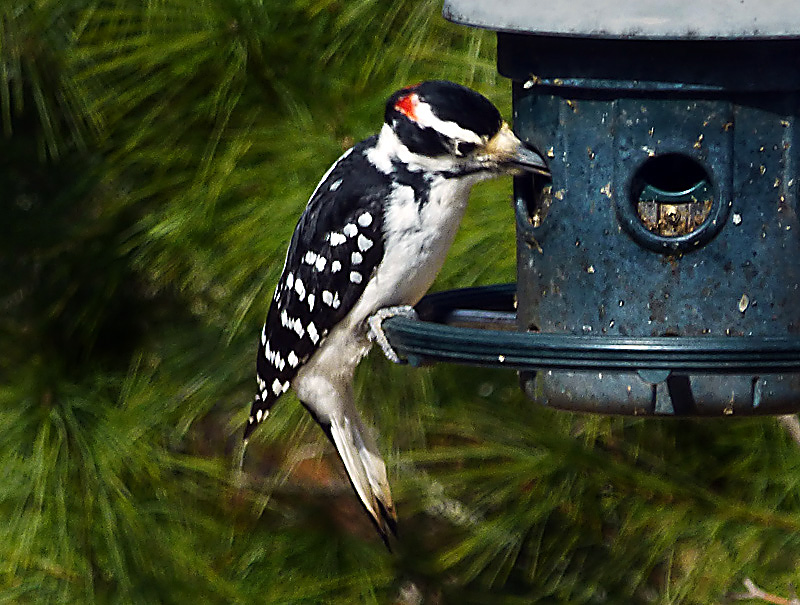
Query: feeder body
[{"x": 674, "y": 146}]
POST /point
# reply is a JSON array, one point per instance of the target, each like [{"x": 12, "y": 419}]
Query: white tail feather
[{"x": 367, "y": 473}]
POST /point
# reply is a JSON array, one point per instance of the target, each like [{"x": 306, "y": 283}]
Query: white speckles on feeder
[{"x": 744, "y": 302}]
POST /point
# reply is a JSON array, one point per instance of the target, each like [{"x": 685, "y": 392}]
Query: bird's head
[{"x": 445, "y": 127}]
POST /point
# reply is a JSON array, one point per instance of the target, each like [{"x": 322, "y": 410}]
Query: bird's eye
[{"x": 462, "y": 148}]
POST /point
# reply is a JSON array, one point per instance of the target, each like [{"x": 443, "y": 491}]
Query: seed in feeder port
[
  {"x": 744, "y": 302},
  {"x": 737, "y": 218}
]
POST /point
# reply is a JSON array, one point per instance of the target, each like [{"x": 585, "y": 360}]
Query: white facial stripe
[
  {"x": 390, "y": 148},
  {"x": 451, "y": 130}
]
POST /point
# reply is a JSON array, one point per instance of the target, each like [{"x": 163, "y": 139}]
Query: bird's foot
[{"x": 376, "y": 333}]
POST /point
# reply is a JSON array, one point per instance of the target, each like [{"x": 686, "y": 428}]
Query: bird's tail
[{"x": 367, "y": 473}]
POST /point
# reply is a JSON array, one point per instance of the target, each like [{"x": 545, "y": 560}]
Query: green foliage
[{"x": 155, "y": 157}]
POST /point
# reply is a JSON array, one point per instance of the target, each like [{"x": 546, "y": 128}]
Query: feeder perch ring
[{"x": 477, "y": 327}]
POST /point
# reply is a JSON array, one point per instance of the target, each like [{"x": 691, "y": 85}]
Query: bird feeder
[{"x": 658, "y": 268}]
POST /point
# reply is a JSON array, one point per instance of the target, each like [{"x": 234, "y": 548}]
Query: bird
[{"x": 373, "y": 236}]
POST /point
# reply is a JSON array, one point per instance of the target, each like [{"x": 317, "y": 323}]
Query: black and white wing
[{"x": 334, "y": 250}]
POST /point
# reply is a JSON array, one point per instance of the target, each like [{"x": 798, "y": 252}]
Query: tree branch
[
  {"x": 792, "y": 426},
  {"x": 754, "y": 592}
]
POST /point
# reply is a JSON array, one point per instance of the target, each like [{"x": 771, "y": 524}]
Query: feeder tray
[{"x": 657, "y": 269}]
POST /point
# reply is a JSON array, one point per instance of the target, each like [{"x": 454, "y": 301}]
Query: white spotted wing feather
[{"x": 334, "y": 249}]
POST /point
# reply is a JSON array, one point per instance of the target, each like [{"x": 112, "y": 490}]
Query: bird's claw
[{"x": 376, "y": 333}]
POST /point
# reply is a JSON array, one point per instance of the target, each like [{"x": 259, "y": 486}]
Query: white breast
[{"x": 416, "y": 241}]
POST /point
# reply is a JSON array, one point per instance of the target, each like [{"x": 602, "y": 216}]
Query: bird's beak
[
  {"x": 530, "y": 161},
  {"x": 511, "y": 152}
]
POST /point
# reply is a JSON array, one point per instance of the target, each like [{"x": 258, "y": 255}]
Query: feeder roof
[{"x": 640, "y": 19}]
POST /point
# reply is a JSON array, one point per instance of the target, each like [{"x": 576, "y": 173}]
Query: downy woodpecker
[{"x": 374, "y": 235}]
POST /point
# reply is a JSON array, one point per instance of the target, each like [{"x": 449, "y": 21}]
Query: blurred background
[{"x": 154, "y": 158}]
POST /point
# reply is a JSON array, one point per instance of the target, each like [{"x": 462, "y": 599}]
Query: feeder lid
[{"x": 642, "y": 19}]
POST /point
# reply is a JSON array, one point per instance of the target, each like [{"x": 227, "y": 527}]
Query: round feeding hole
[{"x": 672, "y": 195}]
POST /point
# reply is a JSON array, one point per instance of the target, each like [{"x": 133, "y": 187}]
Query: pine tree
[{"x": 155, "y": 157}]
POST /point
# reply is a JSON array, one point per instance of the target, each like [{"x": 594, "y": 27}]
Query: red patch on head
[{"x": 407, "y": 105}]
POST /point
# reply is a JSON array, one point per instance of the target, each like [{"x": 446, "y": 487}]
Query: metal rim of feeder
[{"x": 477, "y": 326}]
